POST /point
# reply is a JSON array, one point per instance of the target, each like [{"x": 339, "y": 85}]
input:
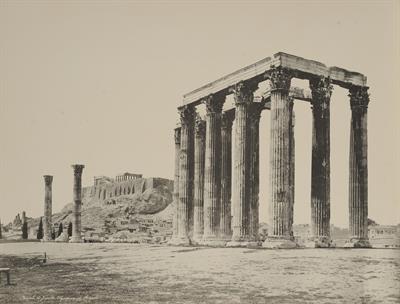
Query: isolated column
[
  {"x": 199, "y": 150},
  {"x": 255, "y": 115},
  {"x": 226, "y": 174},
  {"x": 186, "y": 174},
  {"x": 47, "y": 223},
  {"x": 212, "y": 170},
  {"x": 243, "y": 96},
  {"x": 76, "y": 215},
  {"x": 177, "y": 138},
  {"x": 320, "y": 166},
  {"x": 358, "y": 183},
  {"x": 280, "y": 233}
]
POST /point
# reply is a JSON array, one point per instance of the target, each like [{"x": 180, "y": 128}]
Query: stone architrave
[
  {"x": 212, "y": 171},
  {"x": 280, "y": 234},
  {"x": 358, "y": 180},
  {"x": 321, "y": 89},
  {"x": 199, "y": 154},
  {"x": 47, "y": 222},
  {"x": 77, "y": 195}
]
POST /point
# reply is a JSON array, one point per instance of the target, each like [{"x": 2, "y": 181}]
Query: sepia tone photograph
[{"x": 199, "y": 151}]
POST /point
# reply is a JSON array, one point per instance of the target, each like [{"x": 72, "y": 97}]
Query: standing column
[
  {"x": 292, "y": 165},
  {"x": 185, "y": 202},
  {"x": 198, "y": 214},
  {"x": 280, "y": 234},
  {"x": 358, "y": 185},
  {"x": 177, "y": 138},
  {"x": 241, "y": 205},
  {"x": 255, "y": 115},
  {"x": 226, "y": 174},
  {"x": 47, "y": 223},
  {"x": 76, "y": 219},
  {"x": 321, "y": 89},
  {"x": 212, "y": 171}
]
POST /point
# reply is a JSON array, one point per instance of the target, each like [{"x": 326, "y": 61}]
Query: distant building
[
  {"x": 104, "y": 188},
  {"x": 384, "y": 236},
  {"x": 127, "y": 176}
]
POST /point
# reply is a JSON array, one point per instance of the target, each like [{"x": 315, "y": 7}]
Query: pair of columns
[
  {"x": 76, "y": 214},
  {"x": 358, "y": 166}
]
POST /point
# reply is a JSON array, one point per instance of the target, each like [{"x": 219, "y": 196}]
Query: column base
[
  {"x": 320, "y": 242},
  {"x": 279, "y": 243},
  {"x": 46, "y": 240},
  {"x": 213, "y": 241},
  {"x": 179, "y": 241},
  {"x": 76, "y": 239},
  {"x": 197, "y": 240},
  {"x": 243, "y": 241},
  {"x": 357, "y": 243},
  {"x": 243, "y": 244}
]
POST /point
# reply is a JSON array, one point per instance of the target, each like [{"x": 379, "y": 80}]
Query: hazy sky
[{"x": 98, "y": 83}]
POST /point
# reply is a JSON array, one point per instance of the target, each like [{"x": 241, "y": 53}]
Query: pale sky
[{"x": 98, "y": 83}]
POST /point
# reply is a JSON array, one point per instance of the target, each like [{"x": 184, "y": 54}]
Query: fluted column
[
  {"x": 186, "y": 175},
  {"x": 212, "y": 170},
  {"x": 280, "y": 233},
  {"x": 47, "y": 222},
  {"x": 321, "y": 89},
  {"x": 77, "y": 194},
  {"x": 241, "y": 204},
  {"x": 226, "y": 174},
  {"x": 292, "y": 165},
  {"x": 358, "y": 182},
  {"x": 177, "y": 138},
  {"x": 254, "y": 122},
  {"x": 199, "y": 150}
]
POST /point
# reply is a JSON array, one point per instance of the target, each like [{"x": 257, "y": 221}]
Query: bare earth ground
[{"x": 130, "y": 273}]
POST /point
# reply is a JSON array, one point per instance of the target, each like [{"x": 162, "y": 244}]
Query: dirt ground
[{"x": 131, "y": 273}]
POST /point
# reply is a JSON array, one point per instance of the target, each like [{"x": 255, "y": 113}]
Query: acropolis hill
[{"x": 128, "y": 207}]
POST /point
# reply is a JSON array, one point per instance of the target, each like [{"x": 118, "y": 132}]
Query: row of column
[
  {"x": 77, "y": 205},
  {"x": 203, "y": 168}
]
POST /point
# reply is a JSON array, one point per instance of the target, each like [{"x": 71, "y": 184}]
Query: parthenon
[{"x": 217, "y": 197}]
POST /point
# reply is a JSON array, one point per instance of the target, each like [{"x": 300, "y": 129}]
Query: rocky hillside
[{"x": 136, "y": 217}]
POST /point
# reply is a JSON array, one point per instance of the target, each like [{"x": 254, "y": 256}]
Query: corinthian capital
[
  {"x": 48, "y": 179},
  {"x": 177, "y": 135},
  {"x": 187, "y": 114},
  {"x": 200, "y": 127},
  {"x": 359, "y": 97},
  {"x": 279, "y": 78},
  {"x": 227, "y": 119},
  {"x": 243, "y": 92},
  {"x": 214, "y": 103},
  {"x": 78, "y": 170}
]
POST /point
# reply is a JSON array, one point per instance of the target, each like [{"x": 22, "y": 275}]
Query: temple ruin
[{"x": 211, "y": 189}]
